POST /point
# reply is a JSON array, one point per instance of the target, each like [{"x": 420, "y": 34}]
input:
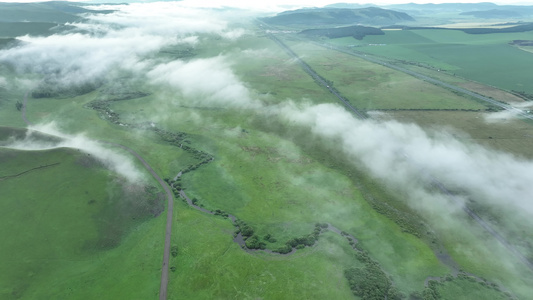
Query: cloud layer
[
  {"x": 398, "y": 152},
  {"x": 205, "y": 82},
  {"x": 108, "y": 43},
  {"x": 402, "y": 155},
  {"x": 125, "y": 39},
  {"x": 113, "y": 160}
]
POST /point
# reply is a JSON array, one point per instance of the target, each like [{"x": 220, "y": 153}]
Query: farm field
[
  {"x": 486, "y": 58},
  {"x": 504, "y": 133},
  {"x": 275, "y": 188},
  {"x": 369, "y": 86}
]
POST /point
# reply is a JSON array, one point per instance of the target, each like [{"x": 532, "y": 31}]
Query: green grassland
[
  {"x": 273, "y": 75},
  {"x": 468, "y": 289},
  {"x": 70, "y": 224},
  {"x": 266, "y": 172},
  {"x": 283, "y": 192},
  {"x": 255, "y": 181},
  {"x": 210, "y": 265},
  {"x": 486, "y": 58}
]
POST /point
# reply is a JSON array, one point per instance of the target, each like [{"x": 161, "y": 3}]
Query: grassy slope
[
  {"x": 167, "y": 160},
  {"x": 130, "y": 271},
  {"x": 56, "y": 221}
]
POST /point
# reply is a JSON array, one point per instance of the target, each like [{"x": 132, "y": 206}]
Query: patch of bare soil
[{"x": 491, "y": 92}]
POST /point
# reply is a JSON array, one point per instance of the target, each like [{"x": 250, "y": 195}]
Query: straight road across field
[{"x": 434, "y": 81}]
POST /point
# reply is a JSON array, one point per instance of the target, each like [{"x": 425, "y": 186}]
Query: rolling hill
[
  {"x": 339, "y": 16},
  {"x": 18, "y": 19}
]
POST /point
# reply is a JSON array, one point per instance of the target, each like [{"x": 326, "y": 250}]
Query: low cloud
[
  {"x": 509, "y": 114},
  {"x": 501, "y": 116},
  {"x": 119, "y": 163},
  {"x": 404, "y": 156},
  {"x": 77, "y": 58},
  {"x": 207, "y": 81},
  {"x": 108, "y": 43},
  {"x": 3, "y": 82},
  {"x": 162, "y": 18},
  {"x": 397, "y": 152}
]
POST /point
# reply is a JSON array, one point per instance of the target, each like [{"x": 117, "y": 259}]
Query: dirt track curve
[{"x": 170, "y": 208}]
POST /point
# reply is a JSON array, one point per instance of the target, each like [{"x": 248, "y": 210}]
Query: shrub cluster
[
  {"x": 303, "y": 241},
  {"x": 523, "y": 94},
  {"x": 175, "y": 185},
  {"x": 179, "y": 139},
  {"x": 52, "y": 88},
  {"x": 255, "y": 243},
  {"x": 269, "y": 238},
  {"x": 370, "y": 282},
  {"x": 174, "y": 251},
  {"x": 102, "y": 106},
  {"x": 407, "y": 224},
  {"x": 222, "y": 213}
]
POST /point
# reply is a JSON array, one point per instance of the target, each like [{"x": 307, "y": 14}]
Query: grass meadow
[
  {"x": 266, "y": 180},
  {"x": 465, "y": 289},
  {"x": 267, "y": 173},
  {"x": 67, "y": 230},
  {"x": 269, "y": 183}
]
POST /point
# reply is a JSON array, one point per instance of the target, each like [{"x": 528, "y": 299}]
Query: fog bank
[{"x": 112, "y": 159}]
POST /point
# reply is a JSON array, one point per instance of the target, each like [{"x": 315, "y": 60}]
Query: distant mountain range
[
  {"x": 478, "y": 10},
  {"x": 339, "y": 16}
]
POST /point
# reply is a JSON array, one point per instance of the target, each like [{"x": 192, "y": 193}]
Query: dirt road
[
  {"x": 170, "y": 208},
  {"x": 168, "y": 229}
]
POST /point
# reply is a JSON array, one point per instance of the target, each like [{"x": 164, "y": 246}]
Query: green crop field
[{"x": 486, "y": 58}]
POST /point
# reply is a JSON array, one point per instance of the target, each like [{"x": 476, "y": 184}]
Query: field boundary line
[{"x": 27, "y": 171}]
